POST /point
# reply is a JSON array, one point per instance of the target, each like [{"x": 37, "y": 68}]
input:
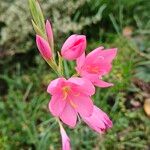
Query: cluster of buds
[{"x": 71, "y": 98}]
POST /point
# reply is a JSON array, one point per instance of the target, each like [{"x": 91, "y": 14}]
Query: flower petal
[
  {"x": 90, "y": 76},
  {"x": 43, "y": 47},
  {"x": 84, "y": 105},
  {"x": 65, "y": 139},
  {"x": 93, "y": 54},
  {"x": 69, "y": 116},
  {"x": 105, "y": 68},
  {"x": 56, "y": 105},
  {"x": 73, "y": 52},
  {"x": 80, "y": 61},
  {"x": 49, "y": 33},
  {"x": 84, "y": 85},
  {"x": 73, "y": 47},
  {"x": 102, "y": 84},
  {"x": 55, "y": 85},
  {"x": 98, "y": 121},
  {"x": 70, "y": 40},
  {"x": 109, "y": 54}
]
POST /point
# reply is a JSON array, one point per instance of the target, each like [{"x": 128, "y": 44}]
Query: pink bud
[
  {"x": 49, "y": 33},
  {"x": 74, "y": 47},
  {"x": 98, "y": 121},
  {"x": 65, "y": 139},
  {"x": 43, "y": 47}
]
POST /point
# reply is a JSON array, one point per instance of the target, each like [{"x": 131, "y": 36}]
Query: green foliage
[
  {"x": 90, "y": 17},
  {"x": 37, "y": 14},
  {"x": 15, "y": 21},
  {"x": 15, "y": 26},
  {"x": 25, "y": 121}
]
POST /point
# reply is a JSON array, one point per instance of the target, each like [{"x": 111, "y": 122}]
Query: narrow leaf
[
  {"x": 37, "y": 29},
  {"x": 60, "y": 63},
  {"x": 37, "y": 14}
]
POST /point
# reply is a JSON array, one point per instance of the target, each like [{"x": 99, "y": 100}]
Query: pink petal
[
  {"x": 73, "y": 52},
  {"x": 49, "y": 33},
  {"x": 80, "y": 61},
  {"x": 105, "y": 68},
  {"x": 72, "y": 41},
  {"x": 94, "y": 54},
  {"x": 55, "y": 86},
  {"x": 84, "y": 85},
  {"x": 84, "y": 105},
  {"x": 69, "y": 116},
  {"x": 104, "y": 117},
  {"x": 99, "y": 55},
  {"x": 98, "y": 121},
  {"x": 56, "y": 105},
  {"x": 43, "y": 47},
  {"x": 65, "y": 139},
  {"x": 89, "y": 76},
  {"x": 109, "y": 54},
  {"x": 102, "y": 84},
  {"x": 73, "y": 47},
  {"x": 69, "y": 41}
]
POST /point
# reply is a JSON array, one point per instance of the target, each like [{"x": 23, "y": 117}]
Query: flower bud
[
  {"x": 98, "y": 121},
  {"x": 74, "y": 47},
  {"x": 43, "y": 47},
  {"x": 49, "y": 33},
  {"x": 65, "y": 139}
]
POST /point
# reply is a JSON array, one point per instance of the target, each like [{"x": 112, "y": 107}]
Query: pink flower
[
  {"x": 73, "y": 47},
  {"x": 49, "y": 33},
  {"x": 65, "y": 139},
  {"x": 43, "y": 47},
  {"x": 96, "y": 64},
  {"x": 98, "y": 121},
  {"x": 70, "y": 97}
]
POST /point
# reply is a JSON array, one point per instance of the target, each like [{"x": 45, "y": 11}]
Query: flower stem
[
  {"x": 59, "y": 122},
  {"x": 53, "y": 65}
]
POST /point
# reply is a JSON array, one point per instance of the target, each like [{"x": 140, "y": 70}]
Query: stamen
[
  {"x": 93, "y": 69},
  {"x": 73, "y": 104},
  {"x": 66, "y": 90},
  {"x": 65, "y": 95}
]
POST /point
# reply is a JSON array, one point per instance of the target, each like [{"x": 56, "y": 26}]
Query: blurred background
[{"x": 25, "y": 121}]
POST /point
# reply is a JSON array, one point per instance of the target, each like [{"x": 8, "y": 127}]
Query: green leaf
[
  {"x": 37, "y": 29},
  {"x": 60, "y": 63},
  {"x": 37, "y": 14}
]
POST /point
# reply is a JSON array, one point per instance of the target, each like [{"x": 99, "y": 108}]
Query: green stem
[
  {"x": 59, "y": 122},
  {"x": 53, "y": 65},
  {"x": 75, "y": 75}
]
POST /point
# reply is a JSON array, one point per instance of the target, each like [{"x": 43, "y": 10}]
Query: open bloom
[
  {"x": 73, "y": 47},
  {"x": 70, "y": 97},
  {"x": 65, "y": 139},
  {"x": 98, "y": 121},
  {"x": 43, "y": 47},
  {"x": 96, "y": 64}
]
